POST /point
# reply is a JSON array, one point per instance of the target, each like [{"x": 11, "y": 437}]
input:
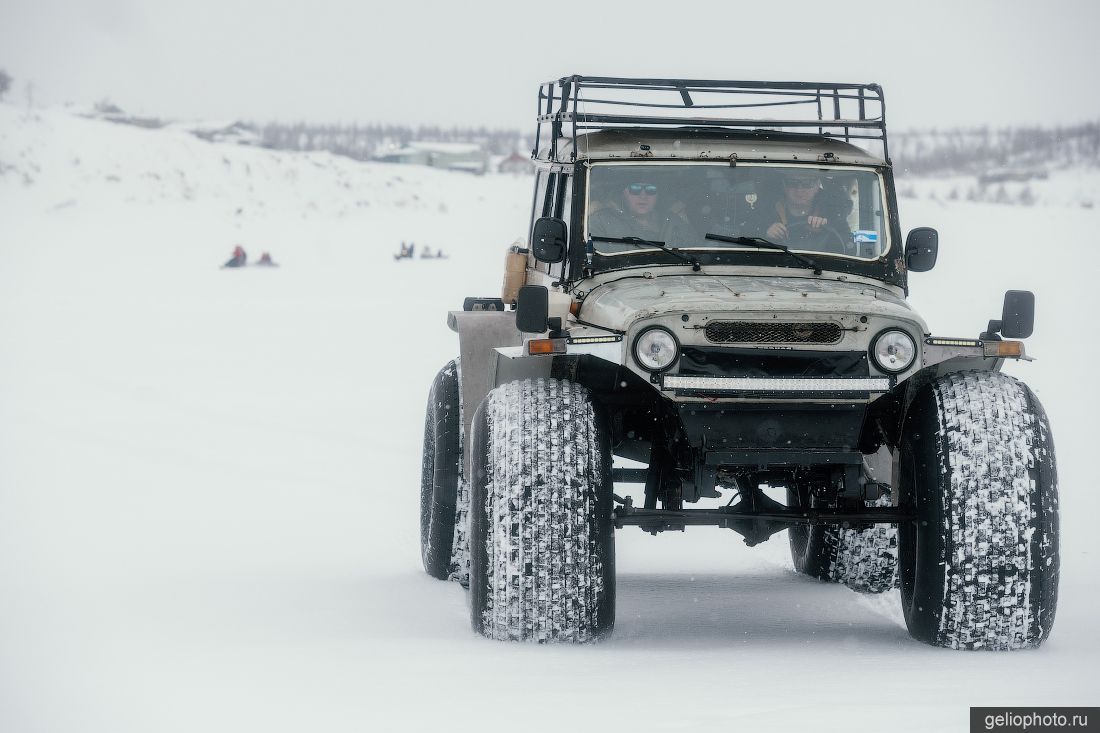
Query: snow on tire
[
  {"x": 865, "y": 560},
  {"x": 441, "y": 473},
  {"x": 979, "y": 567},
  {"x": 459, "y": 569},
  {"x": 542, "y": 554}
]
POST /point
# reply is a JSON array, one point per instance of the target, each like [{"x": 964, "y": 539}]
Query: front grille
[{"x": 768, "y": 332}]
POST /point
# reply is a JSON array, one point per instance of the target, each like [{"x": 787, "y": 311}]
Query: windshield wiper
[
  {"x": 766, "y": 244},
  {"x": 639, "y": 242}
]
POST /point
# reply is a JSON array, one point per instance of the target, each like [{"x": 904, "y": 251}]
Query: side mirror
[
  {"x": 1018, "y": 314},
  {"x": 921, "y": 248},
  {"x": 532, "y": 309},
  {"x": 548, "y": 240}
]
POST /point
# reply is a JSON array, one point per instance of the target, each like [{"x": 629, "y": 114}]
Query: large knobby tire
[
  {"x": 979, "y": 566},
  {"x": 865, "y": 560},
  {"x": 542, "y": 552},
  {"x": 441, "y": 473}
]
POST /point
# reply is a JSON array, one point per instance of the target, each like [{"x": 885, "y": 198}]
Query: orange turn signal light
[
  {"x": 546, "y": 346},
  {"x": 1005, "y": 349}
]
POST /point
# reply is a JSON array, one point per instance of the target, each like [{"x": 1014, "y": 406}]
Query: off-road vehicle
[{"x": 719, "y": 295}]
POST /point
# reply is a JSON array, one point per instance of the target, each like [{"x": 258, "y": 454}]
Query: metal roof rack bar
[
  {"x": 708, "y": 121},
  {"x": 836, "y": 110}
]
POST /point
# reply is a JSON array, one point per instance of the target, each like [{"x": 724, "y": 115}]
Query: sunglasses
[
  {"x": 638, "y": 189},
  {"x": 801, "y": 183}
]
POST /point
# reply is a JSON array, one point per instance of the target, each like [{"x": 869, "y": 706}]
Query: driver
[
  {"x": 810, "y": 209},
  {"x": 637, "y": 213}
]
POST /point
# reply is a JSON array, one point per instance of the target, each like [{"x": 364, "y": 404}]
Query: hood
[{"x": 620, "y": 303}]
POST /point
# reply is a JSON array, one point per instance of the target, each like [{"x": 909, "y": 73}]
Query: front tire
[
  {"x": 979, "y": 566},
  {"x": 542, "y": 546}
]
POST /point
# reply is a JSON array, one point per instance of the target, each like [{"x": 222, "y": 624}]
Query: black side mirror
[
  {"x": 1018, "y": 314},
  {"x": 921, "y": 248},
  {"x": 532, "y": 309},
  {"x": 548, "y": 240}
]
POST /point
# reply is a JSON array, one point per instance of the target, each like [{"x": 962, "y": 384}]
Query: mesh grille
[{"x": 750, "y": 332}]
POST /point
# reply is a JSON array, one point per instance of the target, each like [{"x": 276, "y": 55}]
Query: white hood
[{"x": 620, "y": 303}]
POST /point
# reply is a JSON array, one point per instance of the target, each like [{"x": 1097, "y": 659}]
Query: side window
[
  {"x": 553, "y": 197},
  {"x": 563, "y": 209},
  {"x": 538, "y": 205},
  {"x": 564, "y": 205}
]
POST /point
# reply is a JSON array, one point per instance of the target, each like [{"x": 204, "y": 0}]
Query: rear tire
[
  {"x": 865, "y": 560},
  {"x": 979, "y": 567},
  {"x": 541, "y": 537},
  {"x": 813, "y": 547},
  {"x": 441, "y": 473}
]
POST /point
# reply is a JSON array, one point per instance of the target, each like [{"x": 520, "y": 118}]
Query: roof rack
[{"x": 575, "y": 104}]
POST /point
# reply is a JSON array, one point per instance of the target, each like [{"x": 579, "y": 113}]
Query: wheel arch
[{"x": 894, "y": 406}]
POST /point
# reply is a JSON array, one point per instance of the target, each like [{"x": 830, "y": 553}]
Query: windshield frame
[{"x": 888, "y": 212}]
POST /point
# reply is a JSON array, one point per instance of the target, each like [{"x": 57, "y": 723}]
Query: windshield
[{"x": 834, "y": 211}]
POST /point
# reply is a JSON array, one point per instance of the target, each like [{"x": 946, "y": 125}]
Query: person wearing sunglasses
[
  {"x": 640, "y": 212},
  {"x": 809, "y": 215}
]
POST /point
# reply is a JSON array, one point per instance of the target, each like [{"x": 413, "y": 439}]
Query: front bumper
[{"x": 779, "y": 387}]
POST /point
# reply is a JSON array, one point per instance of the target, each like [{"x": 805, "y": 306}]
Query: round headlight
[
  {"x": 656, "y": 349},
  {"x": 894, "y": 351}
]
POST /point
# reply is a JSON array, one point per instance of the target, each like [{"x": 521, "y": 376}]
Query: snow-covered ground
[{"x": 208, "y": 478}]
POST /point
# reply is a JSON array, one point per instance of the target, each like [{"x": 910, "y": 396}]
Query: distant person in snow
[
  {"x": 427, "y": 254},
  {"x": 239, "y": 258},
  {"x": 266, "y": 261}
]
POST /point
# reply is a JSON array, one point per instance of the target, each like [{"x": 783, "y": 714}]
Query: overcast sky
[{"x": 941, "y": 63}]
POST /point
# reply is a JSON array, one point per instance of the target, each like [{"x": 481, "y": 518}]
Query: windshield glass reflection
[{"x": 833, "y": 211}]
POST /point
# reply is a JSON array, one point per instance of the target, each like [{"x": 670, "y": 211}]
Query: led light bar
[
  {"x": 782, "y": 384},
  {"x": 934, "y": 341},
  {"x": 595, "y": 339}
]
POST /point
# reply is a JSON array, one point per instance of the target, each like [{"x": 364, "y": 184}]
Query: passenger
[
  {"x": 637, "y": 212},
  {"x": 809, "y": 213}
]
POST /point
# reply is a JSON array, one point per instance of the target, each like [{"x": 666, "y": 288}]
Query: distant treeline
[
  {"x": 917, "y": 152},
  {"x": 977, "y": 151},
  {"x": 364, "y": 142}
]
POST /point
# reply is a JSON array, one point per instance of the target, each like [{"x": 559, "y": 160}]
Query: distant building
[
  {"x": 516, "y": 164},
  {"x": 468, "y": 157}
]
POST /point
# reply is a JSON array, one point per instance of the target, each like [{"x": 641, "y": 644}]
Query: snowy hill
[
  {"x": 291, "y": 204},
  {"x": 209, "y": 478}
]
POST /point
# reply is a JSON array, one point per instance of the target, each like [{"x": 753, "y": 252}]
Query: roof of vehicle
[{"x": 693, "y": 143}]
